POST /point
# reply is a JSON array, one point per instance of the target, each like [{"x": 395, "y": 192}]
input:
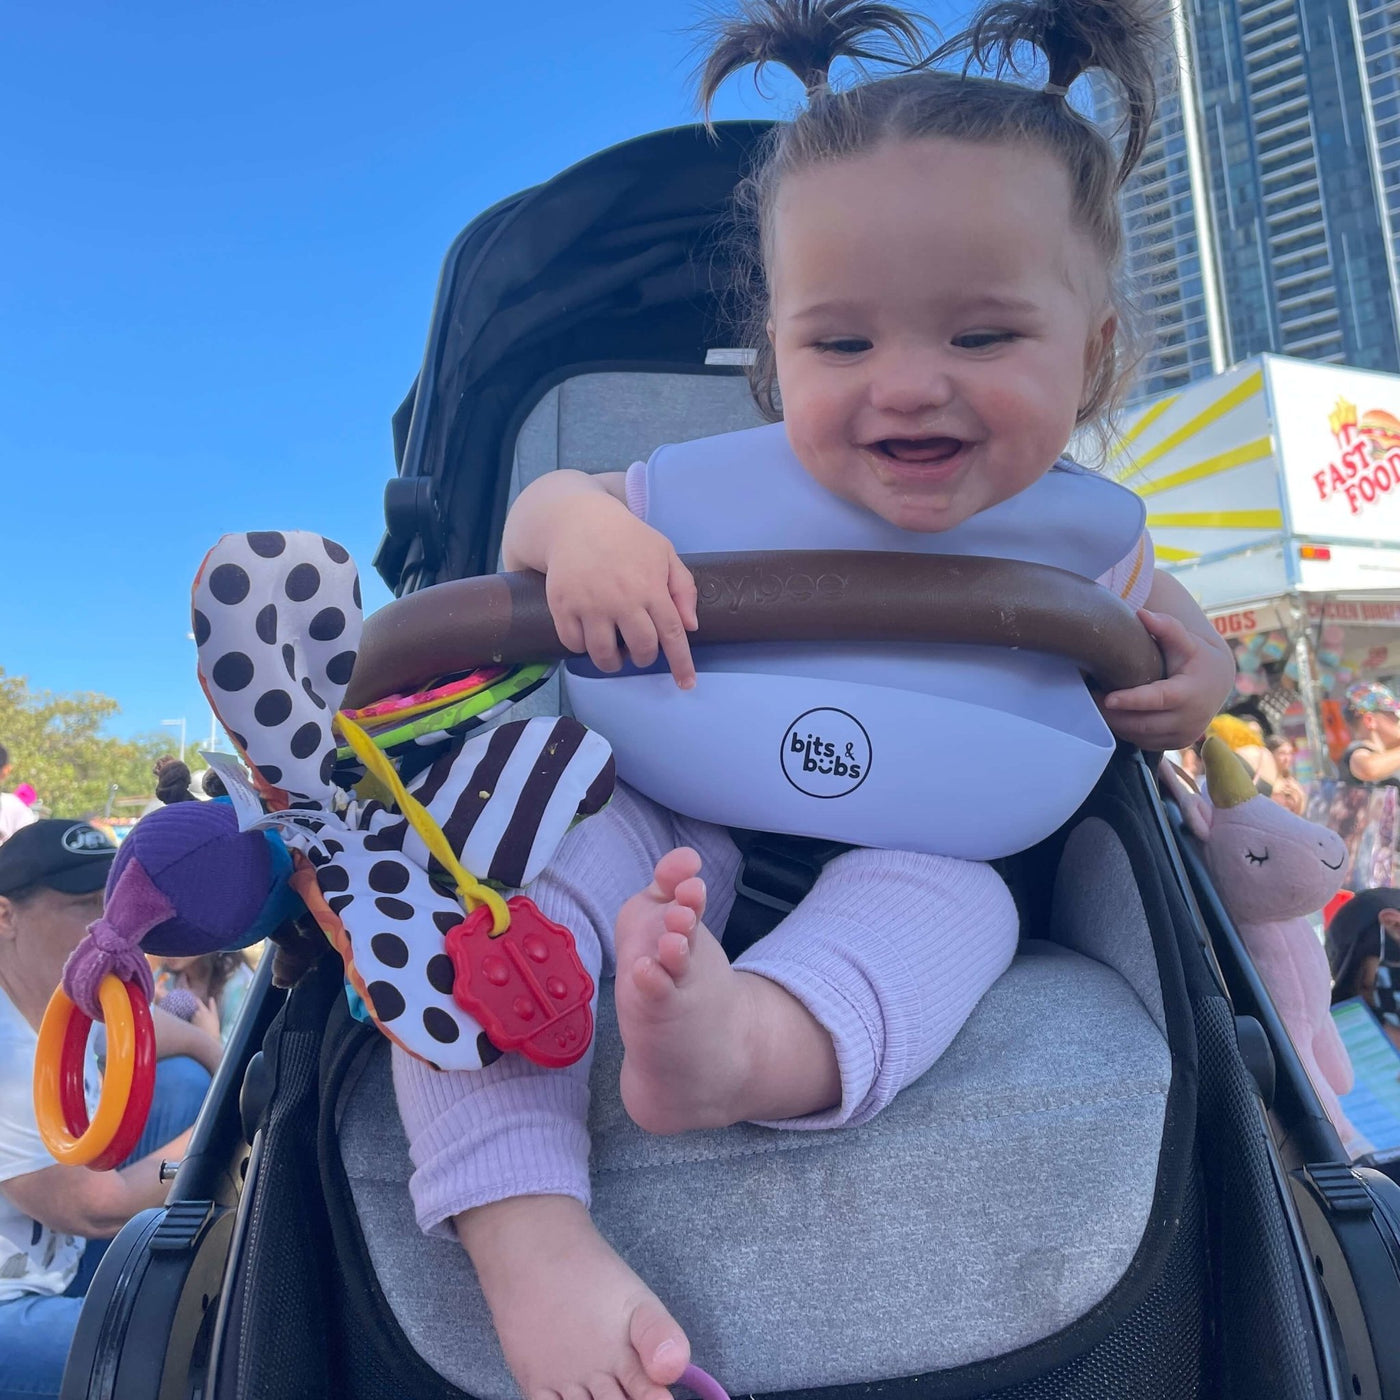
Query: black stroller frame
[{"x": 1271, "y": 1267}]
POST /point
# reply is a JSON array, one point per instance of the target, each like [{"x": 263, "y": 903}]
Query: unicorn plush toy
[{"x": 1271, "y": 869}]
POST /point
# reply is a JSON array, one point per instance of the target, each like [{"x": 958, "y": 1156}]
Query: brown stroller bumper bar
[{"x": 779, "y": 596}]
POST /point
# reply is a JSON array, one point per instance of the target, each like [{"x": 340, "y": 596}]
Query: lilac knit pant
[{"x": 890, "y": 952}]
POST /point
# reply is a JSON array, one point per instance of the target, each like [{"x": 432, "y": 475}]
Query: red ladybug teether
[{"x": 526, "y": 986}]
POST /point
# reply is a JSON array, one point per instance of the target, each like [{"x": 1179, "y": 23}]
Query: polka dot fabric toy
[{"x": 277, "y": 619}]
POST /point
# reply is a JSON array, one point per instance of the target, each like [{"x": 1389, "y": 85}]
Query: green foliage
[{"x": 55, "y": 743}]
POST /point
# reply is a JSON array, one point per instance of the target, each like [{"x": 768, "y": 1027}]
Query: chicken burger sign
[{"x": 1339, "y": 439}]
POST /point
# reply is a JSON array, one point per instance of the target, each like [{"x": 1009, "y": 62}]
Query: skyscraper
[{"x": 1266, "y": 214}]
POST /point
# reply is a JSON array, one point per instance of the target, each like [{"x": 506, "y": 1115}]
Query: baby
[{"x": 939, "y": 255}]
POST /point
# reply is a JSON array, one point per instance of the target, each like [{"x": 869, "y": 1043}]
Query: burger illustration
[{"x": 1380, "y": 431}]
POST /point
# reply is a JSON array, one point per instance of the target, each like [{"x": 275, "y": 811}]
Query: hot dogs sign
[{"x": 1367, "y": 465}]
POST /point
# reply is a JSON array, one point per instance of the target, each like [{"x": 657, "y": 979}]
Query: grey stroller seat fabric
[{"x": 961, "y": 1224}]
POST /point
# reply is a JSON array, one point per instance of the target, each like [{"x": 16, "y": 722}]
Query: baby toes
[
  {"x": 673, "y": 953},
  {"x": 678, "y": 918},
  {"x": 601, "y": 1387},
  {"x": 690, "y": 894},
  {"x": 672, "y": 869},
  {"x": 660, "y": 1343}
]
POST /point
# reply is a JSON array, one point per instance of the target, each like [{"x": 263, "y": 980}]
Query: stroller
[{"x": 1118, "y": 1182}]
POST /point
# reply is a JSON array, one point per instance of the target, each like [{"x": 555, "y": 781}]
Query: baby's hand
[
  {"x": 613, "y": 573},
  {"x": 1172, "y": 713},
  {"x": 573, "y": 1320}
]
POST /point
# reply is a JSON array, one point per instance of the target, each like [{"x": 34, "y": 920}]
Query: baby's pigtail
[
  {"x": 807, "y": 37},
  {"x": 1127, "y": 39}
]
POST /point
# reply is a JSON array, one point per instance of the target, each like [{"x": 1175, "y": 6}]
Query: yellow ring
[{"x": 116, "y": 1082}]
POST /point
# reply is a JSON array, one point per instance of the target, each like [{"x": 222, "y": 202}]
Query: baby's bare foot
[
  {"x": 574, "y": 1322},
  {"x": 680, "y": 1006}
]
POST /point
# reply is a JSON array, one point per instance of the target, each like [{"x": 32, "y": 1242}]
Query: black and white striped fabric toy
[{"x": 277, "y": 620}]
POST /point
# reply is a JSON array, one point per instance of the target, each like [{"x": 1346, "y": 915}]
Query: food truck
[{"x": 1273, "y": 494}]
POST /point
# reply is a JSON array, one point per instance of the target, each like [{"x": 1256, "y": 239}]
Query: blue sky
[{"x": 223, "y": 226}]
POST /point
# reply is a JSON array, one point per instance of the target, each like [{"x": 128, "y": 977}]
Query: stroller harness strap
[{"x": 849, "y": 742}]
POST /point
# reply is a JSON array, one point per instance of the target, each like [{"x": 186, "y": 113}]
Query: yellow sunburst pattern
[{"x": 1206, "y": 461}]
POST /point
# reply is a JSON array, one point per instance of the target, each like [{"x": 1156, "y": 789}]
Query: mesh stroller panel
[{"x": 1266, "y": 1348}]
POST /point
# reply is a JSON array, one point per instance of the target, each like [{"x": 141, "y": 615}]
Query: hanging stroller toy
[{"x": 438, "y": 959}]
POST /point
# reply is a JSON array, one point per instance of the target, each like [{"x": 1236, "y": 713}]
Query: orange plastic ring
[{"x": 60, "y": 1051}]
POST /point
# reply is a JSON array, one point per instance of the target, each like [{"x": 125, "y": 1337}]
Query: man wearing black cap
[{"x": 52, "y": 875}]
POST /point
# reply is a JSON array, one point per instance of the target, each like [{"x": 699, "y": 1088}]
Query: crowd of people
[
  {"x": 1363, "y": 935},
  {"x": 56, "y": 1221},
  {"x": 1370, "y": 760}
]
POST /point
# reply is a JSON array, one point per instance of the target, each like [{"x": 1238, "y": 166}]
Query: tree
[{"x": 55, "y": 744}]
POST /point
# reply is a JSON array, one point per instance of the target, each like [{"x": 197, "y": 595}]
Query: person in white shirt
[
  {"x": 55, "y": 1221},
  {"x": 13, "y": 812}
]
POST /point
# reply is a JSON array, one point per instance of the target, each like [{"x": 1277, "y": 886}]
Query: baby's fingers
[
  {"x": 675, "y": 644},
  {"x": 639, "y": 635},
  {"x": 1177, "y": 642},
  {"x": 570, "y": 629},
  {"x": 600, "y": 637},
  {"x": 680, "y": 583},
  {"x": 1159, "y": 695},
  {"x": 1156, "y": 729}
]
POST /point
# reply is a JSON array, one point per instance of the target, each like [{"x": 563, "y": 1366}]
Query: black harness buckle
[{"x": 776, "y": 873}]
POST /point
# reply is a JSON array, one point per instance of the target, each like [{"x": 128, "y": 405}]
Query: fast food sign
[
  {"x": 1367, "y": 464},
  {"x": 1338, "y": 437}
]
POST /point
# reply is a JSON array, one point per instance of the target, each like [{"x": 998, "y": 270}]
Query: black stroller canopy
[{"x": 619, "y": 261}]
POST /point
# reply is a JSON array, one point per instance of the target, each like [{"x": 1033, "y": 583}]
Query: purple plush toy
[{"x": 185, "y": 882}]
